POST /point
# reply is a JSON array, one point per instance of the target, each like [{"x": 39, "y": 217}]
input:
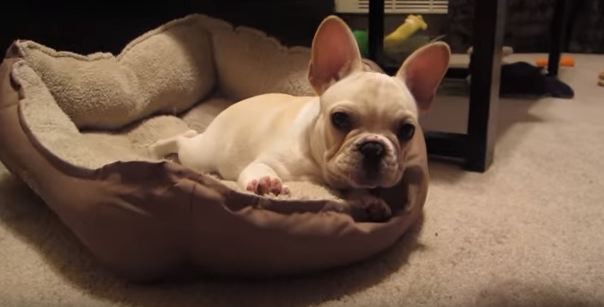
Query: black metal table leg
[
  {"x": 485, "y": 70},
  {"x": 376, "y": 29},
  {"x": 558, "y": 36}
]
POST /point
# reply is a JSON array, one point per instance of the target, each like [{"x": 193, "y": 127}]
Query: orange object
[{"x": 565, "y": 60}]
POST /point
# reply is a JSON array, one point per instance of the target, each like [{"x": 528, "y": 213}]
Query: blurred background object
[{"x": 91, "y": 26}]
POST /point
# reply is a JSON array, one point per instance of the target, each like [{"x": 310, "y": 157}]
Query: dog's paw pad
[
  {"x": 267, "y": 185},
  {"x": 285, "y": 190},
  {"x": 275, "y": 186},
  {"x": 252, "y": 186}
]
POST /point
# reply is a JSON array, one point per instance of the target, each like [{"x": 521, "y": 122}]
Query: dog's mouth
[
  {"x": 362, "y": 175},
  {"x": 370, "y": 178},
  {"x": 369, "y": 174},
  {"x": 365, "y": 183}
]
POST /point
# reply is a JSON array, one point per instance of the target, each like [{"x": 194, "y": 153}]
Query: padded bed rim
[{"x": 150, "y": 261}]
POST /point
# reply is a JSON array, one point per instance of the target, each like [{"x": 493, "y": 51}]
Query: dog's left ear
[
  {"x": 335, "y": 54},
  {"x": 423, "y": 71}
]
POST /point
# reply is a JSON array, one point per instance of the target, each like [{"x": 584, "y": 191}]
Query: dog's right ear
[{"x": 335, "y": 54}]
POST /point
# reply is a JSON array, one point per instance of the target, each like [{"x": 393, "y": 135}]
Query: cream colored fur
[{"x": 265, "y": 140}]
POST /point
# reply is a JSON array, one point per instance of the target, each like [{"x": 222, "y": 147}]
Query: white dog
[{"x": 353, "y": 136}]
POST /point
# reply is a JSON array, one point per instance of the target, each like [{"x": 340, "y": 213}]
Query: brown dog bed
[{"x": 76, "y": 129}]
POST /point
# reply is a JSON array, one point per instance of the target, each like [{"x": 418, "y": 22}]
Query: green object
[{"x": 362, "y": 41}]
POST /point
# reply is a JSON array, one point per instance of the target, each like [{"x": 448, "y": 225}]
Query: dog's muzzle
[{"x": 373, "y": 152}]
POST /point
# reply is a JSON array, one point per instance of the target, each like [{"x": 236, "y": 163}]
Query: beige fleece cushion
[{"x": 166, "y": 70}]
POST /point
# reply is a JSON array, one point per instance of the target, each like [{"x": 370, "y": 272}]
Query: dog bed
[{"x": 75, "y": 128}]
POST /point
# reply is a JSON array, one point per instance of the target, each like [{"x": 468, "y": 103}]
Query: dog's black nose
[{"x": 372, "y": 150}]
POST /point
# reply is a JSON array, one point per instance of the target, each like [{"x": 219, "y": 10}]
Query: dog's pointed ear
[
  {"x": 423, "y": 71},
  {"x": 335, "y": 54}
]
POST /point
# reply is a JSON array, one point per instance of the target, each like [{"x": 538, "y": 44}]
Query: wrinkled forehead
[{"x": 373, "y": 90}]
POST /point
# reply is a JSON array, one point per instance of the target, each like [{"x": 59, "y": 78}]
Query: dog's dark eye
[
  {"x": 341, "y": 120},
  {"x": 405, "y": 132}
]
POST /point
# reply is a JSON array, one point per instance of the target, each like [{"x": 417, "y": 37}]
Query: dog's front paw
[
  {"x": 372, "y": 208},
  {"x": 267, "y": 185}
]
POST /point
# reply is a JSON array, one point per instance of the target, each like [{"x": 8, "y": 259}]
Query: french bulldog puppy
[{"x": 352, "y": 136}]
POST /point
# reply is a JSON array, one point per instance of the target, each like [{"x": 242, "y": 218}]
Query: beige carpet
[{"x": 529, "y": 232}]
